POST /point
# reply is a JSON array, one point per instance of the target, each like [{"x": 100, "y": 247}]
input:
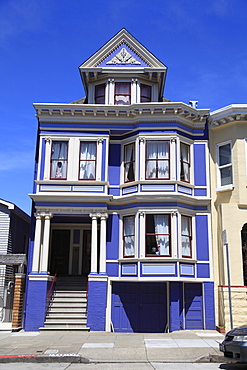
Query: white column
[
  {"x": 142, "y": 158},
  {"x": 46, "y": 241},
  {"x": 111, "y": 91},
  {"x": 174, "y": 160},
  {"x": 133, "y": 91},
  {"x": 99, "y": 159},
  {"x": 47, "y": 158},
  {"x": 94, "y": 244},
  {"x": 102, "y": 264},
  {"x": 37, "y": 241}
]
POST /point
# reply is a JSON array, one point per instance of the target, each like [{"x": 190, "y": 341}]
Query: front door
[
  {"x": 60, "y": 248},
  {"x": 70, "y": 251}
]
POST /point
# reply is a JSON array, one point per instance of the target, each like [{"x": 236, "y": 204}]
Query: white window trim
[
  {"x": 173, "y": 230},
  {"x": 47, "y": 159},
  {"x": 134, "y": 141},
  {"x": 121, "y": 243},
  {"x": 228, "y": 186},
  {"x": 193, "y": 248}
]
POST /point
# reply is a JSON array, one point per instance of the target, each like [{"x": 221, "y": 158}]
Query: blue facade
[{"x": 121, "y": 181}]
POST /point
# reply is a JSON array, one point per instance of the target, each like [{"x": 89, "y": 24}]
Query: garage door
[
  {"x": 139, "y": 307},
  {"x": 193, "y": 306}
]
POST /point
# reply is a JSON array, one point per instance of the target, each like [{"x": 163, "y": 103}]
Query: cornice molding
[
  {"x": 228, "y": 114},
  {"x": 178, "y": 112}
]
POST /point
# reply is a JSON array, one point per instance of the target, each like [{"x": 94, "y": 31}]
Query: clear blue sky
[{"x": 42, "y": 42}]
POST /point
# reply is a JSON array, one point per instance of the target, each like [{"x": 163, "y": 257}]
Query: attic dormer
[{"x": 123, "y": 72}]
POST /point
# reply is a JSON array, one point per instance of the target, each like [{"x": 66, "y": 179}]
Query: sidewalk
[{"x": 98, "y": 347}]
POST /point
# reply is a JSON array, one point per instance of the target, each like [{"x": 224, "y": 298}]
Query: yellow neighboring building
[{"x": 228, "y": 166}]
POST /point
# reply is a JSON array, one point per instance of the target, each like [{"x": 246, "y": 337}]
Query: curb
[{"x": 44, "y": 358}]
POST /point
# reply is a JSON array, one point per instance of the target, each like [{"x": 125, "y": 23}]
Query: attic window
[
  {"x": 122, "y": 93},
  {"x": 100, "y": 94},
  {"x": 145, "y": 93}
]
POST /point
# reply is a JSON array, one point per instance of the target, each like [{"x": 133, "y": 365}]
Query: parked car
[{"x": 235, "y": 344}]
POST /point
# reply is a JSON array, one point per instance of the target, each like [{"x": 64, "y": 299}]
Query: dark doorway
[{"x": 60, "y": 252}]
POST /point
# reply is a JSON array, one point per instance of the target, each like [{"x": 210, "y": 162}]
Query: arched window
[{"x": 244, "y": 252}]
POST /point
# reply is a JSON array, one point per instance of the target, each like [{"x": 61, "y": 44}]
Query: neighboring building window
[
  {"x": 186, "y": 236},
  {"x": 122, "y": 93},
  {"x": 129, "y": 162},
  {"x": 129, "y": 236},
  {"x": 225, "y": 164},
  {"x": 100, "y": 94},
  {"x": 244, "y": 252},
  {"x": 184, "y": 162},
  {"x": 157, "y": 160},
  {"x": 145, "y": 93},
  {"x": 87, "y": 166},
  {"x": 59, "y": 160},
  {"x": 158, "y": 235}
]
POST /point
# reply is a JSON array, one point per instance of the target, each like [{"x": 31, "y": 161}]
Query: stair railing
[{"x": 50, "y": 292}]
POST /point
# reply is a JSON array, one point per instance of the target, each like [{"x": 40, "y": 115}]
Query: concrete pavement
[{"x": 101, "y": 347}]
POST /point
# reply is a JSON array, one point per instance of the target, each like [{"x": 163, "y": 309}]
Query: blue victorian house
[{"x": 121, "y": 204}]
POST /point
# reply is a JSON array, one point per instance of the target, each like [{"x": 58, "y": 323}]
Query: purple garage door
[
  {"x": 139, "y": 307},
  {"x": 193, "y": 306}
]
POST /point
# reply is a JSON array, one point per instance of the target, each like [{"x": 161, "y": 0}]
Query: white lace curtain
[
  {"x": 157, "y": 164},
  {"x": 87, "y": 160},
  {"x": 122, "y": 93},
  {"x": 161, "y": 224},
  {"x": 129, "y": 236},
  {"x": 186, "y": 232},
  {"x": 59, "y": 159}
]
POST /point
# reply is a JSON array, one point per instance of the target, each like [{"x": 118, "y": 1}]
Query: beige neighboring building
[{"x": 228, "y": 166}]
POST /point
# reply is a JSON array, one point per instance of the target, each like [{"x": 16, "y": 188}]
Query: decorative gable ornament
[{"x": 123, "y": 57}]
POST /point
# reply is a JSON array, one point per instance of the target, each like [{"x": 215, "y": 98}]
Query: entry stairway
[{"x": 68, "y": 306}]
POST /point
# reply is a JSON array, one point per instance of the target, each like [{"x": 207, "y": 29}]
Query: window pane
[
  {"x": 59, "y": 155},
  {"x": 87, "y": 160},
  {"x": 100, "y": 94},
  {"x": 226, "y": 175},
  {"x": 158, "y": 235},
  {"x": 129, "y": 236},
  {"x": 224, "y": 154},
  {"x": 186, "y": 236},
  {"x": 157, "y": 160},
  {"x": 145, "y": 93},
  {"x": 184, "y": 162},
  {"x": 122, "y": 93},
  {"x": 129, "y": 162}
]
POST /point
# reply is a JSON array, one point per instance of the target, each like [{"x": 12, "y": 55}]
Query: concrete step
[
  {"x": 69, "y": 320},
  {"x": 65, "y": 310},
  {"x": 75, "y": 316},
  {"x": 62, "y": 293},
  {"x": 65, "y": 327}
]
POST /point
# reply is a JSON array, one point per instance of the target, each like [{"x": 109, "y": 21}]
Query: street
[{"x": 124, "y": 366}]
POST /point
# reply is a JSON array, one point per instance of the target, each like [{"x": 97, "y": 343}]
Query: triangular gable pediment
[
  {"x": 123, "y": 50},
  {"x": 123, "y": 56}
]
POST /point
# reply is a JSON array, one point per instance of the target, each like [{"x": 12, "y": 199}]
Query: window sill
[{"x": 224, "y": 188}]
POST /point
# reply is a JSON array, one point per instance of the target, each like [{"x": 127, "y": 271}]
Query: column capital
[
  {"x": 47, "y": 139},
  {"x": 142, "y": 139},
  {"x": 45, "y": 214},
  {"x": 100, "y": 140},
  {"x": 173, "y": 139},
  {"x": 103, "y": 215}
]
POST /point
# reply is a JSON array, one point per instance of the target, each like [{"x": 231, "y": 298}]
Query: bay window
[
  {"x": 186, "y": 236},
  {"x": 129, "y": 162},
  {"x": 158, "y": 235},
  {"x": 59, "y": 160},
  {"x": 129, "y": 236},
  {"x": 225, "y": 164},
  {"x": 100, "y": 94},
  {"x": 184, "y": 162},
  {"x": 122, "y": 93},
  {"x": 145, "y": 93},
  {"x": 157, "y": 160},
  {"x": 87, "y": 162}
]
